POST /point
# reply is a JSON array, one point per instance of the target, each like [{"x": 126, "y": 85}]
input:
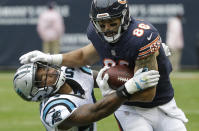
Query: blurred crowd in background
[{"x": 60, "y": 26}]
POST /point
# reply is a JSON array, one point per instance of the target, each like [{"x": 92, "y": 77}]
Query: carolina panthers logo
[
  {"x": 56, "y": 117},
  {"x": 122, "y": 1}
]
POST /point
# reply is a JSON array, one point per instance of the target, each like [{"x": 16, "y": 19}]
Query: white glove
[
  {"x": 166, "y": 49},
  {"x": 102, "y": 82},
  {"x": 36, "y": 55},
  {"x": 142, "y": 80}
]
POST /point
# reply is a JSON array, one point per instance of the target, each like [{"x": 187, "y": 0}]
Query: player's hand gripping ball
[{"x": 118, "y": 75}]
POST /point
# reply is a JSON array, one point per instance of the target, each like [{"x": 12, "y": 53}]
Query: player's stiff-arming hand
[
  {"x": 36, "y": 55},
  {"x": 142, "y": 79}
]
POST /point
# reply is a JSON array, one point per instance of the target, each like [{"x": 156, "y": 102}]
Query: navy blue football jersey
[{"x": 138, "y": 42}]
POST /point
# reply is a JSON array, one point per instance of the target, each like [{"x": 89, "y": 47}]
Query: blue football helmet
[{"x": 109, "y": 9}]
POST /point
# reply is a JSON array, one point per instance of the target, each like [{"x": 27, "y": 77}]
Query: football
[{"x": 118, "y": 75}]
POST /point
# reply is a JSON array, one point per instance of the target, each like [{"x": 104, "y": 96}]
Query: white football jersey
[{"x": 59, "y": 107}]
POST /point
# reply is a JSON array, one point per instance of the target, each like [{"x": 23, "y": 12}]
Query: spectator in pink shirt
[
  {"x": 175, "y": 40},
  {"x": 50, "y": 28}
]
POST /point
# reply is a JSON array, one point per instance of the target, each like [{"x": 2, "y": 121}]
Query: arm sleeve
[{"x": 149, "y": 48}]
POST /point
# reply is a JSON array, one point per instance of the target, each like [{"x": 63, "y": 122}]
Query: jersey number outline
[
  {"x": 69, "y": 72},
  {"x": 140, "y": 30}
]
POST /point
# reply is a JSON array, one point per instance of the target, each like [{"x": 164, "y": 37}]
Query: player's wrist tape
[
  {"x": 122, "y": 92},
  {"x": 132, "y": 86},
  {"x": 56, "y": 59}
]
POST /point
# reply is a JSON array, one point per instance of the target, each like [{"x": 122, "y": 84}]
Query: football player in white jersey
[{"x": 66, "y": 94}]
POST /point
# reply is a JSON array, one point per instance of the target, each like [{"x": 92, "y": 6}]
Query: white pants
[{"x": 167, "y": 117}]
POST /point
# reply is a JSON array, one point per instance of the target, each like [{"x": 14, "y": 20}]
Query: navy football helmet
[{"x": 109, "y": 9}]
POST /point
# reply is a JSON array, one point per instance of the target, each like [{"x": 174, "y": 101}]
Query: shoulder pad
[{"x": 147, "y": 38}]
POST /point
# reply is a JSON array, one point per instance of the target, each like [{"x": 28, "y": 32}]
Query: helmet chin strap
[{"x": 61, "y": 80}]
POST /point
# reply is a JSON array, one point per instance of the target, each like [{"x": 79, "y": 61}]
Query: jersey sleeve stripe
[
  {"x": 145, "y": 55},
  {"x": 86, "y": 70},
  {"x": 149, "y": 49},
  {"x": 148, "y": 45},
  {"x": 145, "y": 52},
  {"x": 65, "y": 102}
]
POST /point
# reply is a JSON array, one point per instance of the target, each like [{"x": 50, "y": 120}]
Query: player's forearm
[
  {"x": 106, "y": 106},
  {"x": 81, "y": 57},
  {"x": 149, "y": 62},
  {"x": 93, "y": 112},
  {"x": 144, "y": 96},
  {"x": 73, "y": 59}
]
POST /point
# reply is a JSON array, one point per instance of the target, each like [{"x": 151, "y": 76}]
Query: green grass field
[{"x": 18, "y": 115}]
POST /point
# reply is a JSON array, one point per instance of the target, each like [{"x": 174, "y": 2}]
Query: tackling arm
[
  {"x": 93, "y": 112},
  {"x": 113, "y": 99}
]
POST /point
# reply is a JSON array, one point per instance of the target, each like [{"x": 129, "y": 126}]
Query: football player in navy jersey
[
  {"x": 66, "y": 94},
  {"x": 117, "y": 39}
]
